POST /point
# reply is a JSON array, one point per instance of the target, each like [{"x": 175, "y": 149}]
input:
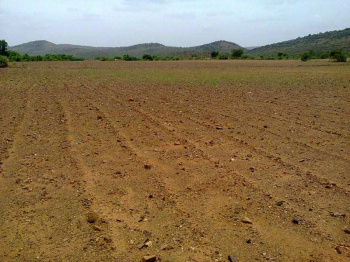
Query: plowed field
[{"x": 188, "y": 161}]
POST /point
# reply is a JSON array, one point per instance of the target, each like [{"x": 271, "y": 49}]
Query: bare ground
[{"x": 207, "y": 160}]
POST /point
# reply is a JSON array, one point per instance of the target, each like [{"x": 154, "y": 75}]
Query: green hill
[
  {"x": 328, "y": 41},
  {"x": 44, "y": 47}
]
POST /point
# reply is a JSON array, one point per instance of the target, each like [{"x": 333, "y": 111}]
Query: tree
[
  {"x": 3, "y": 48},
  {"x": 147, "y": 57},
  {"x": 338, "y": 56},
  {"x": 237, "y": 53},
  {"x": 3, "y": 61},
  {"x": 306, "y": 56},
  {"x": 214, "y": 54}
]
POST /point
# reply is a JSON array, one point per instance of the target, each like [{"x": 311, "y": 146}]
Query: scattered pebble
[
  {"x": 92, "y": 217},
  {"x": 338, "y": 250},
  {"x": 295, "y": 221},
  {"x": 151, "y": 258},
  {"x": 147, "y": 166},
  {"x": 246, "y": 220},
  {"x": 166, "y": 247},
  {"x": 347, "y": 231},
  {"x": 279, "y": 203}
]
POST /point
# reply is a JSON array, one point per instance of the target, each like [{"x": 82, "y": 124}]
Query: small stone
[
  {"x": 143, "y": 243},
  {"x": 347, "y": 231},
  {"x": 229, "y": 259},
  {"x": 252, "y": 169},
  {"x": 92, "y": 217},
  {"x": 249, "y": 241},
  {"x": 166, "y": 247},
  {"x": 279, "y": 203},
  {"x": 97, "y": 228},
  {"x": 246, "y": 220},
  {"x": 99, "y": 117},
  {"x": 147, "y": 233},
  {"x": 338, "y": 250},
  {"x": 147, "y": 166},
  {"x": 265, "y": 126},
  {"x": 118, "y": 172},
  {"x": 337, "y": 214},
  {"x": 151, "y": 258},
  {"x": 295, "y": 221},
  {"x": 148, "y": 243},
  {"x": 219, "y": 128},
  {"x": 177, "y": 143}
]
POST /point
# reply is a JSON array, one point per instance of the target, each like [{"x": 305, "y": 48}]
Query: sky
[{"x": 115, "y": 23}]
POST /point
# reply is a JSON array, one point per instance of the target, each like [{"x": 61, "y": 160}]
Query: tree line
[{"x": 12, "y": 56}]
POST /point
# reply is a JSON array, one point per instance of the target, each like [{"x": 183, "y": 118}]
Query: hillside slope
[
  {"x": 44, "y": 47},
  {"x": 327, "y": 41}
]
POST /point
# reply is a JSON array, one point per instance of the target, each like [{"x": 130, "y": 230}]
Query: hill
[
  {"x": 327, "y": 41},
  {"x": 44, "y": 47}
]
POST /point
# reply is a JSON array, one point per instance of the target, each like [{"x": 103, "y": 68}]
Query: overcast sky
[{"x": 170, "y": 22}]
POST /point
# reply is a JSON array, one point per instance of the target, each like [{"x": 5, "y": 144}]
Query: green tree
[
  {"x": 147, "y": 57},
  {"x": 237, "y": 53},
  {"x": 3, "y": 48},
  {"x": 214, "y": 54},
  {"x": 306, "y": 56},
  {"x": 3, "y": 61}
]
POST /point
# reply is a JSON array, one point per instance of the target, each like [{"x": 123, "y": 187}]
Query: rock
[
  {"x": 279, "y": 203},
  {"x": 246, "y": 220},
  {"x": 147, "y": 166},
  {"x": 97, "y": 228},
  {"x": 99, "y": 117},
  {"x": 143, "y": 243},
  {"x": 151, "y": 258},
  {"x": 295, "y": 221},
  {"x": 166, "y": 247},
  {"x": 118, "y": 172},
  {"x": 229, "y": 259},
  {"x": 336, "y": 214},
  {"x": 92, "y": 217},
  {"x": 147, "y": 233},
  {"x": 177, "y": 143},
  {"x": 252, "y": 169},
  {"x": 347, "y": 231},
  {"x": 338, "y": 250},
  {"x": 249, "y": 241},
  {"x": 219, "y": 128}
]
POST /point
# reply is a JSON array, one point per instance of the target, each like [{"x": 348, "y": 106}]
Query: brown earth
[{"x": 200, "y": 161}]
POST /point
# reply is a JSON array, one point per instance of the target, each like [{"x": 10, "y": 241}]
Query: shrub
[
  {"x": 214, "y": 54},
  {"x": 340, "y": 57},
  {"x": 223, "y": 57},
  {"x": 306, "y": 56},
  {"x": 237, "y": 53},
  {"x": 147, "y": 57},
  {"x": 3, "y": 62}
]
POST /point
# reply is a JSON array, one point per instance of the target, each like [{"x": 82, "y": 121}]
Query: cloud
[
  {"x": 91, "y": 17},
  {"x": 184, "y": 15},
  {"x": 139, "y": 5}
]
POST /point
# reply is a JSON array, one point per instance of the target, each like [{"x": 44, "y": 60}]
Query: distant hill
[
  {"x": 319, "y": 42},
  {"x": 43, "y": 47}
]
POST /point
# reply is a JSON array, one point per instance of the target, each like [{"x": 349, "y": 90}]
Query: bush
[
  {"x": 223, "y": 57},
  {"x": 306, "y": 56},
  {"x": 3, "y": 62},
  {"x": 340, "y": 57},
  {"x": 147, "y": 57},
  {"x": 214, "y": 54},
  {"x": 237, "y": 53}
]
